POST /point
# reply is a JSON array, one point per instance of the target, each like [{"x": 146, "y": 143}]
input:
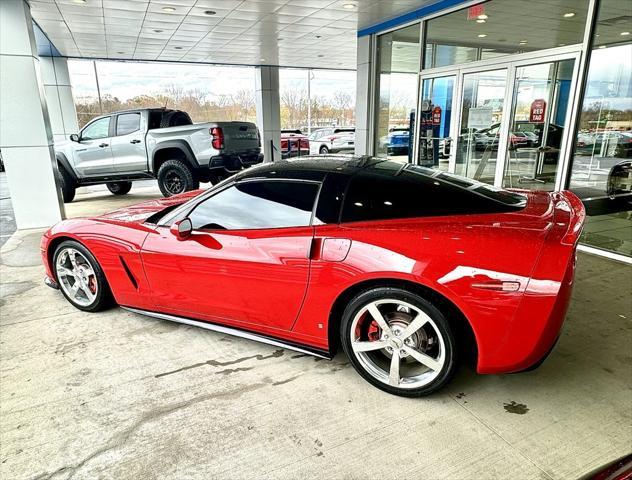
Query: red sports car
[{"x": 404, "y": 267}]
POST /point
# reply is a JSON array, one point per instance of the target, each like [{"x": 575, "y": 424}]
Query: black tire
[
  {"x": 175, "y": 119},
  {"x": 119, "y": 188},
  {"x": 323, "y": 150},
  {"x": 103, "y": 298},
  {"x": 440, "y": 325},
  {"x": 67, "y": 185},
  {"x": 175, "y": 177}
]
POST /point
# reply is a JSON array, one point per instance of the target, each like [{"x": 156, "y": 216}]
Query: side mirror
[
  {"x": 74, "y": 137},
  {"x": 182, "y": 229}
]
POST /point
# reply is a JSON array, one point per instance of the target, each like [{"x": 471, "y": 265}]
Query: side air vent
[{"x": 129, "y": 273}]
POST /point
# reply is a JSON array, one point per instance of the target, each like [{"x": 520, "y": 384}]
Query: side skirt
[{"x": 234, "y": 332}]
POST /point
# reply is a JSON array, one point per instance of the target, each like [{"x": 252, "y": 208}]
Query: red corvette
[{"x": 403, "y": 266}]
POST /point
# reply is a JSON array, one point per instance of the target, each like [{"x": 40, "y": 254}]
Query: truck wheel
[
  {"x": 175, "y": 177},
  {"x": 119, "y": 188},
  {"x": 66, "y": 184},
  {"x": 323, "y": 150}
]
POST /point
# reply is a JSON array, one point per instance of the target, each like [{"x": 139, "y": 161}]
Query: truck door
[
  {"x": 128, "y": 144},
  {"x": 93, "y": 154}
]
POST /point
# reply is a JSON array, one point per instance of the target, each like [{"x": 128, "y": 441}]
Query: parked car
[
  {"x": 405, "y": 267},
  {"x": 396, "y": 141},
  {"x": 332, "y": 140},
  {"x": 616, "y": 144},
  {"x": 294, "y": 144},
  {"x": 488, "y": 138},
  {"x": 120, "y": 147}
]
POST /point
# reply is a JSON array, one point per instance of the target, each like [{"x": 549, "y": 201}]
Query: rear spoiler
[{"x": 570, "y": 214}]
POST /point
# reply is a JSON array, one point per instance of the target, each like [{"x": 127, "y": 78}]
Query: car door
[
  {"x": 92, "y": 153},
  {"x": 128, "y": 144},
  {"x": 247, "y": 260}
]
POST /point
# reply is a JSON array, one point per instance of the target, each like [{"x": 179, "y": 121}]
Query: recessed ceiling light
[
  {"x": 623, "y": 34},
  {"x": 569, "y": 15},
  {"x": 262, "y": 59},
  {"x": 482, "y": 17},
  {"x": 602, "y": 46},
  {"x": 349, "y": 6},
  {"x": 209, "y": 12},
  {"x": 168, "y": 9},
  {"x": 481, "y": 20},
  {"x": 158, "y": 31},
  {"x": 522, "y": 42},
  {"x": 80, "y": 2},
  {"x": 482, "y": 35}
]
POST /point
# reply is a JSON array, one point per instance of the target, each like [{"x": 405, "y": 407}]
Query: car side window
[
  {"x": 127, "y": 123},
  {"x": 257, "y": 205},
  {"x": 97, "y": 129}
]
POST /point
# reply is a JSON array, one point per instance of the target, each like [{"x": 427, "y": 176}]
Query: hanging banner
[
  {"x": 538, "y": 110},
  {"x": 436, "y": 115}
]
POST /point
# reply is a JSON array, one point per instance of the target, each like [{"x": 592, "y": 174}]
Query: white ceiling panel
[{"x": 291, "y": 33}]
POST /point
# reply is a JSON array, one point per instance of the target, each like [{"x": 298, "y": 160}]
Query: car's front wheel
[
  {"x": 175, "y": 177},
  {"x": 119, "y": 188},
  {"x": 398, "y": 341},
  {"x": 80, "y": 277}
]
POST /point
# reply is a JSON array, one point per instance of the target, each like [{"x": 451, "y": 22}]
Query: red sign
[
  {"x": 436, "y": 115},
  {"x": 538, "y": 110},
  {"x": 475, "y": 10}
]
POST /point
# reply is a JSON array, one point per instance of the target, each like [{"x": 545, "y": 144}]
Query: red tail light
[
  {"x": 284, "y": 144},
  {"x": 218, "y": 138},
  {"x": 304, "y": 143}
]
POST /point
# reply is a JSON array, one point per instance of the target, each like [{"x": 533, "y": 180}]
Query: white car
[{"x": 332, "y": 140}]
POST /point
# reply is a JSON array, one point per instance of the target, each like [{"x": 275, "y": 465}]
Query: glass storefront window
[
  {"x": 601, "y": 173},
  {"x": 483, "y": 99},
  {"x": 540, "y": 104},
  {"x": 503, "y": 27},
  {"x": 398, "y": 66},
  {"x": 436, "y": 121}
]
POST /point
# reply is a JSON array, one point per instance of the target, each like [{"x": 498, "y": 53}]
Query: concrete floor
[{"x": 116, "y": 395}]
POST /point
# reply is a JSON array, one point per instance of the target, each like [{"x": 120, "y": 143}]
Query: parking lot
[{"x": 117, "y": 395}]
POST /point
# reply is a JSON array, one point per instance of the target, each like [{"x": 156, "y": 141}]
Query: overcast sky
[{"x": 126, "y": 80}]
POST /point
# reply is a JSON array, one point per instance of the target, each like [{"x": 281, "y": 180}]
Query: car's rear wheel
[
  {"x": 119, "y": 188},
  {"x": 175, "y": 177},
  {"x": 80, "y": 277},
  {"x": 67, "y": 185},
  {"x": 398, "y": 342},
  {"x": 323, "y": 150}
]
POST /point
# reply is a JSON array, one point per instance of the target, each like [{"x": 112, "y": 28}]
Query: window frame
[
  {"x": 116, "y": 123},
  {"x": 98, "y": 119},
  {"x": 186, "y": 212}
]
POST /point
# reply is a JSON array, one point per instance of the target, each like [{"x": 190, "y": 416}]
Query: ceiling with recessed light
[{"x": 291, "y": 33}]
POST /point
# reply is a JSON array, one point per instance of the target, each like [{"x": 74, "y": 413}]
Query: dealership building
[{"x": 533, "y": 95}]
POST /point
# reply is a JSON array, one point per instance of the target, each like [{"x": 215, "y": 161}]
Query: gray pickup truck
[{"x": 120, "y": 147}]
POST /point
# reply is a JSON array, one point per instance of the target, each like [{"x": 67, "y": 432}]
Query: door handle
[
  {"x": 103, "y": 145},
  {"x": 134, "y": 141}
]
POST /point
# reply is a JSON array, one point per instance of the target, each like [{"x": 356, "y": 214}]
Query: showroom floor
[{"x": 116, "y": 395}]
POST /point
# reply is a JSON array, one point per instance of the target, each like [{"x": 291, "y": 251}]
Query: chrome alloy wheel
[
  {"x": 76, "y": 277},
  {"x": 398, "y": 343}
]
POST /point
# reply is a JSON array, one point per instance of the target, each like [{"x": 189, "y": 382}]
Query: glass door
[
  {"x": 540, "y": 102},
  {"x": 435, "y": 122},
  {"x": 482, "y": 104}
]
